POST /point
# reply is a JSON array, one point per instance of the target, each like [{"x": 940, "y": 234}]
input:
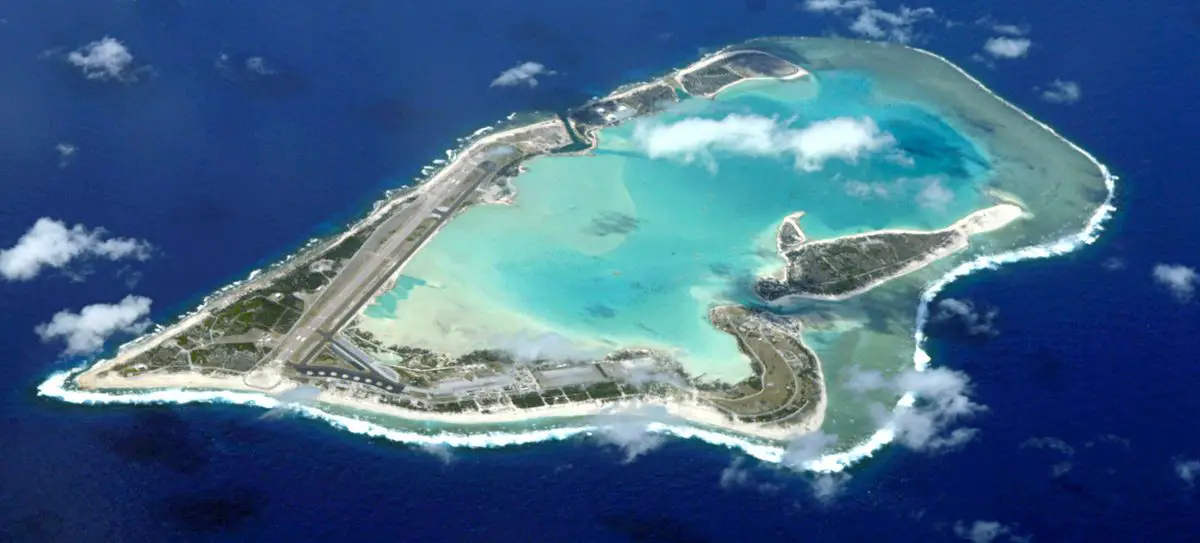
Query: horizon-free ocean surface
[{"x": 223, "y": 172}]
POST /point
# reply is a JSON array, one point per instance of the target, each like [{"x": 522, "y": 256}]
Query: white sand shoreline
[
  {"x": 723, "y": 54},
  {"x": 830, "y": 462},
  {"x": 693, "y": 411},
  {"x": 982, "y": 221}
]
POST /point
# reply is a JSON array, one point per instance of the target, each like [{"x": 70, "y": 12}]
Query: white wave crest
[{"x": 56, "y": 386}]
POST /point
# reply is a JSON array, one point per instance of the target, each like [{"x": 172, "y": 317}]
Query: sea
[{"x": 225, "y": 168}]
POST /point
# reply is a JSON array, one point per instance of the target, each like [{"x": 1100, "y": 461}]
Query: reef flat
[{"x": 647, "y": 249}]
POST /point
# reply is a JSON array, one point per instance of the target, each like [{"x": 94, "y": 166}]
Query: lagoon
[{"x": 617, "y": 249}]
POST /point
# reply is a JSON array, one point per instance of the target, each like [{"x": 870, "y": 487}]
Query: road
[{"x": 378, "y": 258}]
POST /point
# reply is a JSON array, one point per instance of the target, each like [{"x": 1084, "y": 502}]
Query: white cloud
[
  {"x": 975, "y": 322},
  {"x": 258, "y": 66},
  {"x": 900, "y": 158},
  {"x": 980, "y": 531},
  {"x": 526, "y": 347},
  {"x": 735, "y": 475},
  {"x": 893, "y": 26},
  {"x": 1003, "y": 28},
  {"x": 103, "y": 59},
  {"x": 629, "y": 430},
  {"x": 1054, "y": 444},
  {"x": 941, "y": 401},
  {"x": 50, "y": 244},
  {"x": 860, "y": 381},
  {"x": 1113, "y": 264},
  {"x": 873, "y": 22},
  {"x": 522, "y": 74},
  {"x": 300, "y": 394},
  {"x": 440, "y": 451},
  {"x": 1062, "y": 92},
  {"x": 86, "y": 331},
  {"x": 844, "y": 137},
  {"x": 738, "y": 475},
  {"x": 692, "y": 139},
  {"x": 836, "y": 5},
  {"x": 826, "y": 487},
  {"x": 1050, "y": 443},
  {"x": 66, "y": 152},
  {"x": 1011, "y": 30},
  {"x": 1187, "y": 470},
  {"x": 1178, "y": 279},
  {"x": 932, "y": 192},
  {"x": 934, "y": 195},
  {"x": 1006, "y": 47},
  {"x": 864, "y": 190},
  {"x": 806, "y": 448}
]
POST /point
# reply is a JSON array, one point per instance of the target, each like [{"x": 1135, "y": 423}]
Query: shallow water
[{"x": 620, "y": 250}]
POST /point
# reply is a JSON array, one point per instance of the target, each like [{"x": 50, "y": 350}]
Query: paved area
[{"x": 392, "y": 244}]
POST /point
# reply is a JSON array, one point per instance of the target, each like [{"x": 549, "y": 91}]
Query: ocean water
[{"x": 224, "y": 174}]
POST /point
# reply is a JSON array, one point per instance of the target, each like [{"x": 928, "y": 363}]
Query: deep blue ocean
[{"x": 224, "y": 172}]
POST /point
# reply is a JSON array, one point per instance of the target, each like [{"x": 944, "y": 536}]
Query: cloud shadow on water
[
  {"x": 157, "y": 438},
  {"x": 640, "y": 527},
  {"x": 37, "y": 526},
  {"x": 213, "y": 510}
]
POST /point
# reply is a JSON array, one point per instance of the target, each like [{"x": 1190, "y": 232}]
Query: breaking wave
[{"x": 56, "y": 385}]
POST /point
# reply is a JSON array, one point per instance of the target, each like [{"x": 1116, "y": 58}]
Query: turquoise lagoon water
[
  {"x": 619, "y": 250},
  {"x": 615, "y": 249}
]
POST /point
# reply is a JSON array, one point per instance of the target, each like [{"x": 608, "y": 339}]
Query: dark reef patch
[
  {"x": 610, "y": 222},
  {"x": 601, "y": 311}
]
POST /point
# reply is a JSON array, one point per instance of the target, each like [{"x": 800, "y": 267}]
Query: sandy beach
[
  {"x": 691, "y": 411},
  {"x": 677, "y": 77},
  {"x": 979, "y": 222}
]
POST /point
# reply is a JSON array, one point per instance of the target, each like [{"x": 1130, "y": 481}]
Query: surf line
[{"x": 55, "y": 386}]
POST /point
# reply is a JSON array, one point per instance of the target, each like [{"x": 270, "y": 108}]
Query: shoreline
[
  {"x": 690, "y": 411},
  {"x": 258, "y": 279},
  {"x": 53, "y": 386},
  {"x": 982, "y": 221},
  {"x": 713, "y": 95},
  {"x": 722, "y": 54}
]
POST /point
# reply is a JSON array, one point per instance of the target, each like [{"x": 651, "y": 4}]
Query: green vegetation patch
[
  {"x": 257, "y": 312},
  {"x": 528, "y": 401},
  {"x": 603, "y": 391}
]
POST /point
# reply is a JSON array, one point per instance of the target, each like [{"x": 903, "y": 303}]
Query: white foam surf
[{"x": 57, "y": 385}]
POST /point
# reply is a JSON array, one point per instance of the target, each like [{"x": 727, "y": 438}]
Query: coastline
[
  {"x": 982, "y": 221},
  {"x": 833, "y": 462},
  {"x": 836, "y": 462},
  {"x": 713, "y": 95},
  {"x": 722, "y": 54},
  {"x": 258, "y": 279},
  {"x": 689, "y": 411}
]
